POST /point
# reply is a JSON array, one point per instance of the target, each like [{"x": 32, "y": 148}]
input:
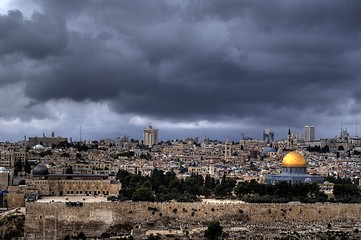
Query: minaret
[{"x": 289, "y": 138}]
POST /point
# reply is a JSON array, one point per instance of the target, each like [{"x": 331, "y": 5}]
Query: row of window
[
  {"x": 77, "y": 182},
  {"x": 83, "y": 192},
  {"x": 295, "y": 170}
]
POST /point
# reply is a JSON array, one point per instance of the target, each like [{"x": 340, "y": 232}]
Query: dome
[
  {"x": 294, "y": 159},
  {"x": 308, "y": 180},
  {"x": 38, "y": 147},
  {"x": 267, "y": 150},
  {"x": 40, "y": 170}
]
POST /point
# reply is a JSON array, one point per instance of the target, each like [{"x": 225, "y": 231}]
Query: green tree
[
  {"x": 214, "y": 230},
  {"x": 192, "y": 184},
  {"x": 81, "y": 236},
  {"x": 225, "y": 187},
  {"x": 347, "y": 193},
  {"x": 17, "y": 167},
  {"x": 157, "y": 178},
  {"x": 283, "y": 189},
  {"x": 143, "y": 194},
  {"x": 69, "y": 170},
  {"x": 152, "y": 237},
  {"x": 27, "y": 167},
  {"x": 121, "y": 174},
  {"x": 220, "y": 191},
  {"x": 207, "y": 182},
  {"x": 45, "y": 153}
]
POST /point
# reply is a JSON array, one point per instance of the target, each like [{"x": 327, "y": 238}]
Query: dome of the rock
[{"x": 294, "y": 159}]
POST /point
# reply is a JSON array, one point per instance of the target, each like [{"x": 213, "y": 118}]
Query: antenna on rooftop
[{"x": 80, "y": 133}]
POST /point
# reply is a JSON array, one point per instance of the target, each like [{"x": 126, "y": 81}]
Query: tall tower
[
  {"x": 268, "y": 136},
  {"x": 211, "y": 169},
  {"x": 227, "y": 150},
  {"x": 289, "y": 138},
  {"x": 150, "y": 136},
  {"x": 309, "y": 133}
]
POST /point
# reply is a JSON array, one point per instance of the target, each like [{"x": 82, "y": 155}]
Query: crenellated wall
[{"x": 56, "y": 220}]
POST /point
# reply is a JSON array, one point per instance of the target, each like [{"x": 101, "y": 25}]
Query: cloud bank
[{"x": 212, "y": 67}]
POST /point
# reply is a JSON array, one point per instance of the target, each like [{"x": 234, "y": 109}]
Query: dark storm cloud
[
  {"x": 38, "y": 37},
  {"x": 272, "y": 61}
]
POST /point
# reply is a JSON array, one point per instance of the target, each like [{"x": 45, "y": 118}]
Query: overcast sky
[{"x": 191, "y": 68}]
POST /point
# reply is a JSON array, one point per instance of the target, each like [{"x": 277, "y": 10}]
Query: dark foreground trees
[
  {"x": 160, "y": 186},
  {"x": 347, "y": 193},
  {"x": 214, "y": 231},
  {"x": 280, "y": 192}
]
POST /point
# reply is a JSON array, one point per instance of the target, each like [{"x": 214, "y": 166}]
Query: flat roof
[
  {"x": 78, "y": 175},
  {"x": 68, "y": 198}
]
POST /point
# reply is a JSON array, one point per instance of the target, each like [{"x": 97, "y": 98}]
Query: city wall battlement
[{"x": 55, "y": 220}]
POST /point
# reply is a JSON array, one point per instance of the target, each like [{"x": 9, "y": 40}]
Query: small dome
[
  {"x": 38, "y": 147},
  {"x": 40, "y": 170},
  {"x": 294, "y": 159},
  {"x": 308, "y": 180},
  {"x": 267, "y": 150}
]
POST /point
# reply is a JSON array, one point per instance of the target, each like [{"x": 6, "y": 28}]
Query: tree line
[
  {"x": 160, "y": 186},
  {"x": 281, "y": 192}
]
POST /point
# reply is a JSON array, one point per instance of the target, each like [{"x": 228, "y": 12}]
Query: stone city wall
[
  {"x": 15, "y": 200},
  {"x": 56, "y": 220}
]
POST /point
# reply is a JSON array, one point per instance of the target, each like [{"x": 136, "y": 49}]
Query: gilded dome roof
[{"x": 294, "y": 159}]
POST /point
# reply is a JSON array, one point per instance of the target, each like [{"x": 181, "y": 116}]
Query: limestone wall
[
  {"x": 56, "y": 220},
  {"x": 15, "y": 200}
]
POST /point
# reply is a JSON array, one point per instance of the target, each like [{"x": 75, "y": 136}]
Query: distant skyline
[{"x": 191, "y": 68}]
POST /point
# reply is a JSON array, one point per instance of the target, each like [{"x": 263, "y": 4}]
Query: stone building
[
  {"x": 44, "y": 184},
  {"x": 4, "y": 178},
  {"x": 46, "y": 141},
  {"x": 150, "y": 136},
  {"x": 227, "y": 150},
  {"x": 9, "y": 158}
]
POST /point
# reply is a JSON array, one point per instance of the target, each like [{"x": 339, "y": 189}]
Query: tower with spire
[{"x": 289, "y": 138}]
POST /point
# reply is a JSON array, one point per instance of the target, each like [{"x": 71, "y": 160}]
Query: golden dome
[{"x": 294, "y": 159}]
